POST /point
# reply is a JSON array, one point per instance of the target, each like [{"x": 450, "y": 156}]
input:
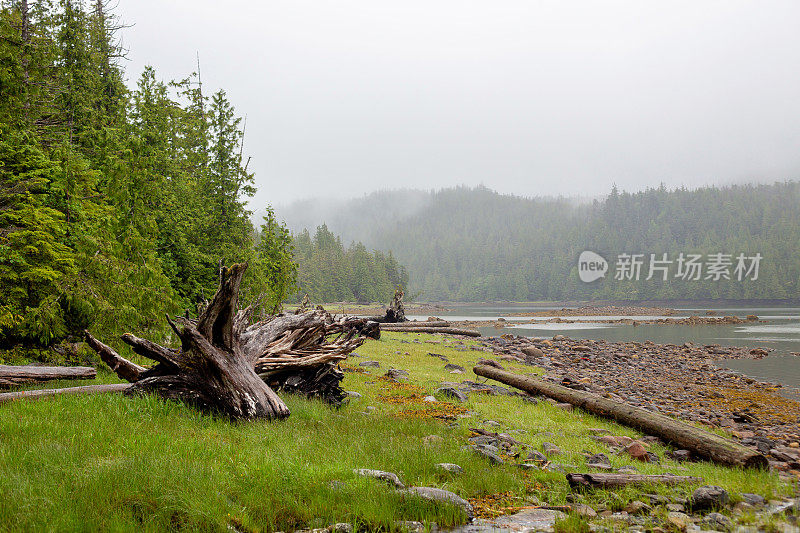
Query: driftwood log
[
  {"x": 610, "y": 481},
  {"x": 11, "y": 376},
  {"x": 422, "y": 329},
  {"x": 43, "y": 393},
  {"x": 416, "y": 324},
  {"x": 228, "y": 366},
  {"x": 699, "y": 441}
]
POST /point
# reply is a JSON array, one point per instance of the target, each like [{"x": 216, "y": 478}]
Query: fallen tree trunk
[
  {"x": 86, "y": 389},
  {"x": 11, "y": 376},
  {"x": 610, "y": 481},
  {"x": 411, "y": 324},
  {"x": 422, "y": 329},
  {"x": 701, "y": 442},
  {"x": 226, "y": 365}
]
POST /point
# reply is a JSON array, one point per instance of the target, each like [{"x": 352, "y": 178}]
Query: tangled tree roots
[{"x": 227, "y": 366}]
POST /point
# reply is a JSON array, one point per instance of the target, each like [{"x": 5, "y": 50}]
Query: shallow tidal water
[{"x": 780, "y": 334}]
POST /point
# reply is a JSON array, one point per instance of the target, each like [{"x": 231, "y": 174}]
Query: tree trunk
[
  {"x": 610, "y": 481},
  {"x": 11, "y": 376},
  {"x": 702, "y": 443},
  {"x": 395, "y": 313},
  {"x": 224, "y": 364}
]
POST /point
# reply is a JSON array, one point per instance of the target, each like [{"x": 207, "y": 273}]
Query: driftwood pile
[{"x": 228, "y": 366}]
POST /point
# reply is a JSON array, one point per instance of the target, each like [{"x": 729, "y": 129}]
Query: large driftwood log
[
  {"x": 416, "y": 324},
  {"x": 11, "y": 376},
  {"x": 42, "y": 393},
  {"x": 226, "y": 365},
  {"x": 610, "y": 481},
  {"x": 702, "y": 443},
  {"x": 449, "y": 331}
]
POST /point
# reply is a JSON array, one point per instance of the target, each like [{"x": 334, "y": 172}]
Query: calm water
[{"x": 781, "y": 333}]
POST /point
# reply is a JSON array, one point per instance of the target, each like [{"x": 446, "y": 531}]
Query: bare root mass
[{"x": 228, "y": 366}]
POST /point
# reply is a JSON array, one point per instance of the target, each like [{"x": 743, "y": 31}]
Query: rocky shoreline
[{"x": 680, "y": 381}]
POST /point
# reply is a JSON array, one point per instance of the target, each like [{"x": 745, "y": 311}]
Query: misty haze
[{"x": 435, "y": 266}]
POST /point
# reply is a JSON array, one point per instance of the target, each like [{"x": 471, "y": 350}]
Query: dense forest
[
  {"x": 117, "y": 204},
  {"x": 329, "y": 272},
  {"x": 473, "y": 244}
]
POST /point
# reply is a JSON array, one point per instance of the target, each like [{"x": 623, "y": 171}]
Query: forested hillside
[
  {"x": 472, "y": 244},
  {"x": 329, "y": 272},
  {"x": 116, "y": 205}
]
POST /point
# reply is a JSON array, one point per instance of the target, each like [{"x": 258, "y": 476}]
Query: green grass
[{"x": 108, "y": 462}]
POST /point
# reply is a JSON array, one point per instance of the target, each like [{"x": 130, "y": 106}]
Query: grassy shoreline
[{"x": 109, "y": 462}]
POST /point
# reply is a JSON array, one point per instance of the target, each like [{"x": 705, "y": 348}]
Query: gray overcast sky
[{"x": 531, "y": 97}]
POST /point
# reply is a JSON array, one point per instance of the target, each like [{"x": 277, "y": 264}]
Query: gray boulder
[
  {"x": 709, "y": 497},
  {"x": 387, "y": 477},
  {"x": 441, "y": 495}
]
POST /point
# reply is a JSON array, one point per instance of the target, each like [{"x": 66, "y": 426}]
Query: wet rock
[
  {"x": 709, "y": 497},
  {"x": 453, "y": 393},
  {"x": 441, "y": 495},
  {"x": 387, "y": 477},
  {"x": 450, "y": 467},
  {"x": 369, "y": 364}
]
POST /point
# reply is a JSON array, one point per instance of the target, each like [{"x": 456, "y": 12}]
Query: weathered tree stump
[{"x": 224, "y": 364}]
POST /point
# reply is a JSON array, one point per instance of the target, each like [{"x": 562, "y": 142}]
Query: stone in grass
[
  {"x": 396, "y": 374},
  {"x": 599, "y": 460},
  {"x": 756, "y": 500},
  {"x": 717, "y": 521},
  {"x": 388, "y": 477},
  {"x": 453, "y": 393},
  {"x": 430, "y": 399},
  {"x": 450, "y": 366},
  {"x": 489, "y": 453},
  {"x": 369, "y": 364},
  {"x": 636, "y": 507},
  {"x": 709, "y": 497},
  {"x": 441, "y": 495},
  {"x": 550, "y": 448},
  {"x": 341, "y": 527},
  {"x": 584, "y": 510},
  {"x": 353, "y": 394},
  {"x": 450, "y": 467},
  {"x": 679, "y": 521},
  {"x": 409, "y": 526},
  {"x": 483, "y": 440},
  {"x": 537, "y": 457}
]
